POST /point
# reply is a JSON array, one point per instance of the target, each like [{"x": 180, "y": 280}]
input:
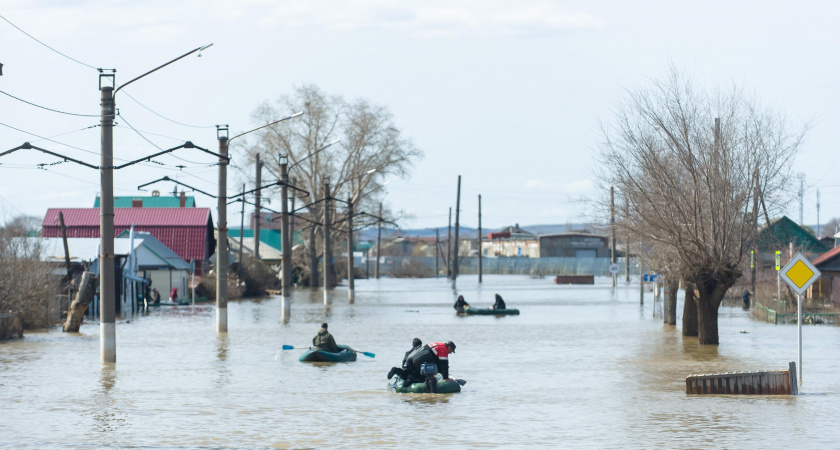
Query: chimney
[
  {"x": 136, "y": 202},
  {"x": 183, "y": 199}
]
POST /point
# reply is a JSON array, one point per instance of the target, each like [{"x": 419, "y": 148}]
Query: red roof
[
  {"x": 186, "y": 231},
  {"x": 826, "y": 256}
]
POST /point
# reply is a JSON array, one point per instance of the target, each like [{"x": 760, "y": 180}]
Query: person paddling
[
  {"x": 500, "y": 304},
  {"x": 460, "y": 304},
  {"x": 324, "y": 340}
]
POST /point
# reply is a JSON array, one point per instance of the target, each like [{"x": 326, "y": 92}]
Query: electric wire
[
  {"x": 164, "y": 117},
  {"x": 45, "y": 45},
  {"x": 153, "y": 144},
  {"x": 48, "y": 109}
]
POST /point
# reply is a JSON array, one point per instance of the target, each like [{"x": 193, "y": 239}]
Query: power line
[
  {"x": 52, "y": 140},
  {"x": 164, "y": 117},
  {"x": 48, "y": 109},
  {"x": 152, "y": 143},
  {"x": 45, "y": 45}
]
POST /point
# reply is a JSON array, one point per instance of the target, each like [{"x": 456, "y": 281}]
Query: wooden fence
[{"x": 772, "y": 382}]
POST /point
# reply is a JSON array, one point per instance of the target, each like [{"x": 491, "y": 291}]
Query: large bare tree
[
  {"x": 694, "y": 189},
  {"x": 372, "y": 148}
]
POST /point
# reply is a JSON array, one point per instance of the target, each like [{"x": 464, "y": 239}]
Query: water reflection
[
  {"x": 107, "y": 415},
  {"x": 221, "y": 365}
]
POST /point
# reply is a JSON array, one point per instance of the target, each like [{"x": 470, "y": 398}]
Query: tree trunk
[
  {"x": 673, "y": 288},
  {"x": 689, "y": 318},
  {"x": 712, "y": 286},
  {"x": 80, "y": 304}
]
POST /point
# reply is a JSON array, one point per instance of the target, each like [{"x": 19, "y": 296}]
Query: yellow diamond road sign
[{"x": 799, "y": 273}]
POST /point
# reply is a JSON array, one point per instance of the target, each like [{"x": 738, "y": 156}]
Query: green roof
[
  {"x": 167, "y": 201},
  {"x": 783, "y": 231},
  {"x": 269, "y": 236}
]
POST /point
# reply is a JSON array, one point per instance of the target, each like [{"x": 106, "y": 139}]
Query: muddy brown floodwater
[{"x": 580, "y": 367}]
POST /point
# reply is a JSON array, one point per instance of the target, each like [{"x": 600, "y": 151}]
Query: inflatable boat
[
  {"x": 315, "y": 355},
  {"x": 469, "y": 310},
  {"x": 443, "y": 386}
]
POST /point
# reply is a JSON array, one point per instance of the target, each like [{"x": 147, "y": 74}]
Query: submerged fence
[{"x": 416, "y": 266}]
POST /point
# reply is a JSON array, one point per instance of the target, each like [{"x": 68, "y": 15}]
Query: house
[
  {"x": 828, "y": 286},
  {"x": 153, "y": 201},
  {"x": 186, "y": 231},
  {"x": 268, "y": 253},
  {"x": 782, "y": 233},
  {"x": 574, "y": 245},
  {"x": 511, "y": 241},
  {"x": 161, "y": 265}
]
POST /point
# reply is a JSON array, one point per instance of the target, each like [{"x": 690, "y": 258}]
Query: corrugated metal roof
[
  {"x": 826, "y": 256},
  {"x": 269, "y": 236},
  {"x": 127, "y": 216},
  {"x": 183, "y": 230},
  {"x": 160, "y": 256},
  {"x": 80, "y": 249},
  {"x": 267, "y": 252},
  {"x": 167, "y": 201}
]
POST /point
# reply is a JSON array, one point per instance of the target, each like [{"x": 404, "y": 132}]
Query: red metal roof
[
  {"x": 826, "y": 256},
  {"x": 183, "y": 230}
]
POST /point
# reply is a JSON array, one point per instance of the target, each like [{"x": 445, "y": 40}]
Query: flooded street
[{"x": 580, "y": 367}]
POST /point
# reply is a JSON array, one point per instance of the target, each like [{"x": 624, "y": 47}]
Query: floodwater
[{"x": 582, "y": 366}]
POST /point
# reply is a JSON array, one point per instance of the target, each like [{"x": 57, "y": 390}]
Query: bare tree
[
  {"x": 831, "y": 228},
  {"x": 691, "y": 189},
  {"x": 371, "y": 149},
  {"x": 26, "y": 282}
]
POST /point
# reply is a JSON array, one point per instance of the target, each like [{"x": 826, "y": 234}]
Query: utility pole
[
  {"x": 258, "y": 218},
  {"x": 378, "y": 242},
  {"x": 285, "y": 240},
  {"x": 437, "y": 252},
  {"x": 612, "y": 231},
  {"x": 626, "y": 244},
  {"x": 479, "y": 239},
  {"x": 107, "y": 294},
  {"x": 449, "y": 247},
  {"x": 801, "y": 199},
  {"x": 457, "y": 225},
  {"x": 66, "y": 253},
  {"x": 242, "y": 234},
  {"x": 351, "y": 284},
  {"x": 818, "y": 215},
  {"x": 327, "y": 250},
  {"x": 221, "y": 243}
]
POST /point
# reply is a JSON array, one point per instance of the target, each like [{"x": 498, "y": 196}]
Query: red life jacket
[{"x": 440, "y": 350}]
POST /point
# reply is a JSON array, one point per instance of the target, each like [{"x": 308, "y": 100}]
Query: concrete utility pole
[
  {"x": 242, "y": 234},
  {"x": 378, "y": 242},
  {"x": 285, "y": 241},
  {"x": 449, "y": 247},
  {"x": 479, "y": 239},
  {"x": 626, "y": 245},
  {"x": 351, "y": 284},
  {"x": 221, "y": 243},
  {"x": 327, "y": 249},
  {"x": 437, "y": 252},
  {"x": 107, "y": 293},
  {"x": 612, "y": 231},
  {"x": 457, "y": 226},
  {"x": 258, "y": 216}
]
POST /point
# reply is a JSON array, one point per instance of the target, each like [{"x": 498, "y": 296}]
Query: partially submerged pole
[
  {"x": 285, "y": 242},
  {"x": 221, "y": 243},
  {"x": 351, "y": 286},
  {"x": 455, "y": 244},
  {"x": 327, "y": 248},
  {"x": 479, "y": 239},
  {"x": 107, "y": 294}
]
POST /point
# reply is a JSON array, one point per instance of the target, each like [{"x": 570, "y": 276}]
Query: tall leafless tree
[
  {"x": 692, "y": 195},
  {"x": 372, "y": 148}
]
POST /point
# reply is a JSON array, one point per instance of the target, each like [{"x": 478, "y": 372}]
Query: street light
[{"x": 107, "y": 299}]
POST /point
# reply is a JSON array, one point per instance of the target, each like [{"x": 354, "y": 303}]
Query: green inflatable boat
[
  {"x": 314, "y": 355},
  {"x": 443, "y": 386},
  {"x": 470, "y": 311}
]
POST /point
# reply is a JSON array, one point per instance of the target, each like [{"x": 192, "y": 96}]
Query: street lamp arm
[
  {"x": 166, "y": 178},
  {"x": 28, "y": 146},
  {"x": 187, "y": 144},
  {"x": 316, "y": 151},
  {"x": 162, "y": 66},
  {"x": 297, "y": 114}
]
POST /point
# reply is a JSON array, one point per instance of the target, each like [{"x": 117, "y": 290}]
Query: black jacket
[
  {"x": 409, "y": 354},
  {"x": 500, "y": 304},
  {"x": 460, "y": 303},
  {"x": 426, "y": 355}
]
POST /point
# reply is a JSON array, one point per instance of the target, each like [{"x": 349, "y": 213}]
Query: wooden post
[
  {"x": 612, "y": 231},
  {"x": 378, "y": 242},
  {"x": 76, "y": 312},
  {"x": 66, "y": 252},
  {"x": 258, "y": 213},
  {"x": 449, "y": 247},
  {"x": 241, "y": 235},
  {"x": 437, "y": 252},
  {"x": 351, "y": 287}
]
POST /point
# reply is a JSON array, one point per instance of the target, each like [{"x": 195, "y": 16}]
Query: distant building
[
  {"x": 574, "y": 245},
  {"x": 511, "y": 242},
  {"x": 779, "y": 235},
  {"x": 153, "y": 201},
  {"x": 828, "y": 286}
]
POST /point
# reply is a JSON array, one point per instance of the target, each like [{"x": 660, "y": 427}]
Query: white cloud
[{"x": 432, "y": 18}]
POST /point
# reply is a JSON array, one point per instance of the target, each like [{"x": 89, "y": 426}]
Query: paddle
[
  {"x": 368, "y": 354},
  {"x": 461, "y": 382},
  {"x": 292, "y": 347}
]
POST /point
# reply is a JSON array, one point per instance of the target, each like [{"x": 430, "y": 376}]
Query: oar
[
  {"x": 368, "y": 354},
  {"x": 461, "y": 382},
  {"x": 292, "y": 347}
]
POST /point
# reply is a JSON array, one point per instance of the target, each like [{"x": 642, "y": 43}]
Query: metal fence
[{"x": 411, "y": 266}]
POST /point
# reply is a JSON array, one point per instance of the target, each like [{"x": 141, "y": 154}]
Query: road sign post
[
  {"x": 799, "y": 274},
  {"x": 778, "y": 277}
]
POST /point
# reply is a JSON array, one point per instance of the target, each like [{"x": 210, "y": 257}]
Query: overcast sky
[{"x": 507, "y": 94}]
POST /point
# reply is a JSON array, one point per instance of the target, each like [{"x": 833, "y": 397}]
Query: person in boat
[
  {"x": 324, "y": 341},
  {"x": 460, "y": 304},
  {"x": 155, "y": 296},
  {"x": 416, "y": 346},
  {"x": 435, "y": 353},
  {"x": 173, "y": 295},
  {"x": 500, "y": 304}
]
